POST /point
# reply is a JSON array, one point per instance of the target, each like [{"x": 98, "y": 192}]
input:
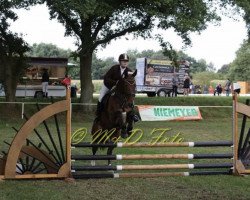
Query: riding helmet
[{"x": 123, "y": 57}]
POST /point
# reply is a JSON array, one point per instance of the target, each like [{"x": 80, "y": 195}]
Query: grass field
[{"x": 215, "y": 125}]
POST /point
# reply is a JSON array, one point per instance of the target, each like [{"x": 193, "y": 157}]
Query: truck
[
  {"x": 30, "y": 83},
  {"x": 154, "y": 77}
]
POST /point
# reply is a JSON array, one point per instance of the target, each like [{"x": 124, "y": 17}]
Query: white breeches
[
  {"x": 104, "y": 90},
  {"x": 45, "y": 86}
]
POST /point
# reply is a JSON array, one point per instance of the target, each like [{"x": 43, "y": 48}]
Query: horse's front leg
[
  {"x": 129, "y": 128},
  {"x": 120, "y": 123},
  {"x": 130, "y": 122},
  {"x": 112, "y": 140},
  {"x": 109, "y": 153},
  {"x": 94, "y": 150}
]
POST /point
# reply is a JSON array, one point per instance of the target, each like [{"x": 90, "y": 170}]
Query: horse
[{"x": 117, "y": 114}]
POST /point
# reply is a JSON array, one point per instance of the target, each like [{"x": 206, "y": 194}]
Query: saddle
[{"x": 105, "y": 99}]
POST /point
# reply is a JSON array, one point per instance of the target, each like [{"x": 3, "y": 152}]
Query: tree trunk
[
  {"x": 86, "y": 79},
  {"x": 10, "y": 82}
]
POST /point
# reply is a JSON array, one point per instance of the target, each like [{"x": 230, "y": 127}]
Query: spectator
[
  {"x": 175, "y": 82},
  {"x": 227, "y": 87},
  {"x": 197, "y": 89},
  {"x": 211, "y": 89},
  {"x": 66, "y": 81},
  {"x": 45, "y": 82},
  {"x": 218, "y": 90},
  {"x": 73, "y": 90},
  {"x": 186, "y": 85},
  {"x": 205, "y": 89},
  {"x": 192, "y": 88}
]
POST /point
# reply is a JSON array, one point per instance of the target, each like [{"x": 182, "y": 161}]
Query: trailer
[{"x": 154, "y": 77}]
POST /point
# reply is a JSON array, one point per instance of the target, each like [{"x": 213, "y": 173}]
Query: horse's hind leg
[{"x": 94, "y": 150}]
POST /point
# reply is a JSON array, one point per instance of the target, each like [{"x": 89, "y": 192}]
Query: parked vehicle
[{"x": 154, "y": 77}]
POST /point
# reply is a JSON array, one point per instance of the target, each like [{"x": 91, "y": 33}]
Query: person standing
[
  {"x": 186, "y": 85},
  {"x": 66, "y": 81},
  {"x": 205, "y": 89},
  {"x": 45, "y": 82},
  {"x": 218, "y": 90},
  {"x": 175, "y": 82},
  {"x": 211, "y": 89}
]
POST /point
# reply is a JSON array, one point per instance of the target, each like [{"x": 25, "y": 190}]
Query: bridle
[{"x": 123, "y": 97}]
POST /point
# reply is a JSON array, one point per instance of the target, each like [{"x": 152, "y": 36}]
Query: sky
[{"x": 217, "y": 44}]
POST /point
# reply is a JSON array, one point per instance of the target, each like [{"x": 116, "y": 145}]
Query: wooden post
[
  {"x": 235, "y": 132},
  {"x": 68, "y": 127}
]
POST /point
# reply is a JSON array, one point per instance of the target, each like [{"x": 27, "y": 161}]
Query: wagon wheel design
[
  {"x": 45, "y": 154},
  {"x": 33, "y": 160},
  {"x": 243, "y": 142}
]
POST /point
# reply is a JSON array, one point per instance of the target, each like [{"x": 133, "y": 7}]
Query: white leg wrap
[{"x": 92, "y": 162}]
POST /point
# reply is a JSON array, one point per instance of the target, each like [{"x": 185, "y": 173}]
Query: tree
[
  {"x": 196, "y": 66},
  {"x": 97, "y": 22},
  {"x": 245, "y": 6},
  {"x": 100, "y": 66},
  {"x": 240, "y": 67},
  {"x": 210, "y": 67},
  {"x": 12, "y": 50},
  {"x": 224, "y": 69},
  {"x": 48, "y": 50},
  {"x": 205, "y": 78}
]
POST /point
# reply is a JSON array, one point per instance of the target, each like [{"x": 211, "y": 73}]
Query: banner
[{"x": 166, "y": 113}]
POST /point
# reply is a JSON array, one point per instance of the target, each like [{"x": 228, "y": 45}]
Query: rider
[{"x": 110, "y": 79}]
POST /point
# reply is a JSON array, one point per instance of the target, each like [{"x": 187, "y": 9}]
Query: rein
[{"x": 123, "y": 97}]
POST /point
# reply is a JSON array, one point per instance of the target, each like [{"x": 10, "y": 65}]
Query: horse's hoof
[
  {"x": 92, "y": 163},
  {"x": 136, "y": 118}
]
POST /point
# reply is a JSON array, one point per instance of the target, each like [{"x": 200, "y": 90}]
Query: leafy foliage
[
  {"x": 205, "y": 78},
  {"x": 224, "y": 69},
  {"x": 48, "y": 50},
  {"x": 12, "y": 50},
  {"x": 100, "y": 66},
  {"x": 240, "y": 67}
]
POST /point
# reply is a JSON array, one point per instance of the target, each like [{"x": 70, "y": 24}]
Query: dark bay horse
[{"x": 117, "y": 114}]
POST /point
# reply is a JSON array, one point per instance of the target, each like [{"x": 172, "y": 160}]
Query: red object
[{"x": 66, "y": 81}]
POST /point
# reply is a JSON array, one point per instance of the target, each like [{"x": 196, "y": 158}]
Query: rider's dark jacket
[{"x": 113, "y": 75}]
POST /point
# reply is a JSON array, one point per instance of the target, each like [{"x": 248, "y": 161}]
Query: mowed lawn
[{"x": 215, "y": 125}]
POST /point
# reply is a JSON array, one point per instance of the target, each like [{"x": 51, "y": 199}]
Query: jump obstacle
[
  {"x": 77, "y": 170},
  {"x": 24, "y": 158}
]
